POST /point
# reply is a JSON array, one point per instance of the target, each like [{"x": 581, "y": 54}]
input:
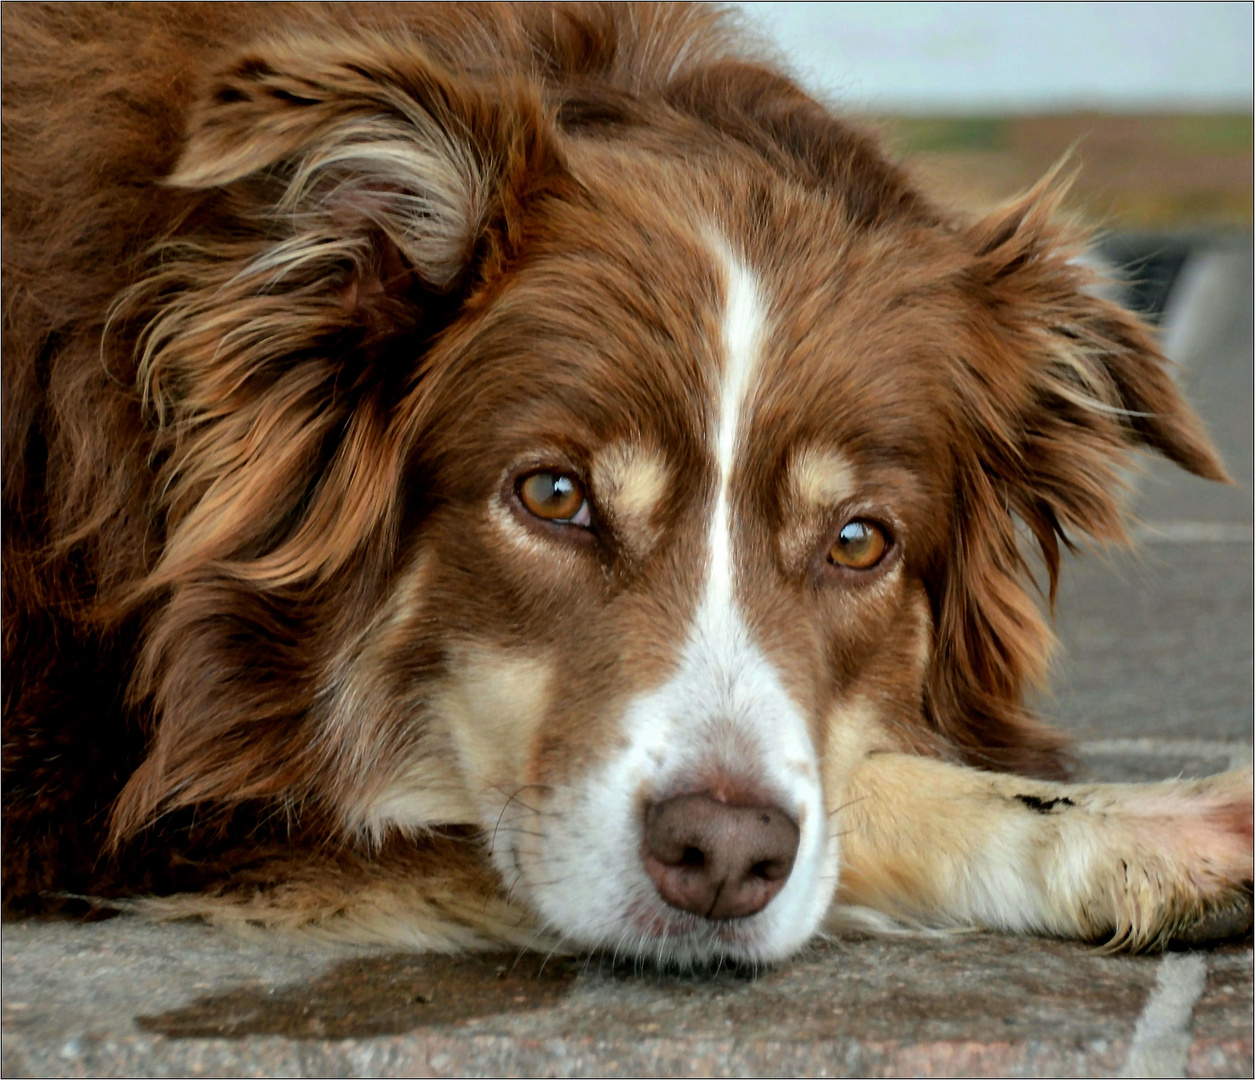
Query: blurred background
[{"x": 984, "y": 97}]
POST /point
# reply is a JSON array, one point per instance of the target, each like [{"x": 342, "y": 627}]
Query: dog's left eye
[
  {"x": 860, "y": 545},
  {"x": 556, "y": 497}
]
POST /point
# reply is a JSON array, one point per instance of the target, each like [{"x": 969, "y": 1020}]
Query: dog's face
[
  {"x": 684, "y": 508},
  {"x": 677, "y": 483}
]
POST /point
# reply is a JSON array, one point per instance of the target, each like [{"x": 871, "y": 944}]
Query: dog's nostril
[{"x": 716, "y": 860}]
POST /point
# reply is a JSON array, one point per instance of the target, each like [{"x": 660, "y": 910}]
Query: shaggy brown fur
[{"x": 258, "y": 264}]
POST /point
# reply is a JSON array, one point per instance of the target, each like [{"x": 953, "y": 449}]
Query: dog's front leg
[{"x": 1135, "y": 865}]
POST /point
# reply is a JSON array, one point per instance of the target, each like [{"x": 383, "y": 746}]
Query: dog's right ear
[
  {"x": 343, "y": 200},
  {"x": 340, "y": 193},
  {"x": 369, "y": 137}
]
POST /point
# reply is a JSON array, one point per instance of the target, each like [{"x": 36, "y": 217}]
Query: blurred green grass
[{"x": 1136, "y": 171}]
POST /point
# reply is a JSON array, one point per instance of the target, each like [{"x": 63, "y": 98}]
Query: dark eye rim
[
  {"x": 521, "y": 482},
  {"x": 832, "y": 569},
  {"x": 563, "y": 528}
]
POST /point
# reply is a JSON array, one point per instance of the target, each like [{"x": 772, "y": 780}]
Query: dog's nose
[{"x": 720, "y": 861}]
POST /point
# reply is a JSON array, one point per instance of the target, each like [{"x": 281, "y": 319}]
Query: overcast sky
[{"x": 962, "y": 57}]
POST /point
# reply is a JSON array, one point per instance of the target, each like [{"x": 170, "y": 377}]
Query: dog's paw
[
  {"x": 1225, "y": 853},
  {"x": 1188, "y": 872}
]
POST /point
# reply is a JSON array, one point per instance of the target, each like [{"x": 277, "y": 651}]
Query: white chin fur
[{"x": 587, "y": 878}]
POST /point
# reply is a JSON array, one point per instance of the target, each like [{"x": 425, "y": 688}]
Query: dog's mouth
[
  {"x": 678, "y": 941},
  {"x": 667, "y": 926},
  {"x": 690, "y": 883}
]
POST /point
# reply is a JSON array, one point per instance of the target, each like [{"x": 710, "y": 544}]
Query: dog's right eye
[{"x": 555, "y": 497}]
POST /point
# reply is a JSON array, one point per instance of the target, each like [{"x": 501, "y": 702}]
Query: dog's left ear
[
  {"x": 1093, "y": 365},
  {"x": 1076, "y": 380},
  {"x": 1057, "y": 386}
]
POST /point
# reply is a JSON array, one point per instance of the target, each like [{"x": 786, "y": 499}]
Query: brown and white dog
[{"x": 473, "y": 473}]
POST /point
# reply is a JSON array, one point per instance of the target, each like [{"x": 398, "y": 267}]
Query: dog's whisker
[{"x": 846, "y": 805}]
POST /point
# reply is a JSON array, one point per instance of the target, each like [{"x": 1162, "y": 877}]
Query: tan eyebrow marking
[
  {"x": 820, "y": 478},
  {"x": 924, "y": 647},
  {"x": 629, "y": 481},
  {"x": 816, "y": 480}
]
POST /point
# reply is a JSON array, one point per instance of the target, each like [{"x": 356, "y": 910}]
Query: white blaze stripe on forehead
[
  {"x": 742, "y": 341},
  {"x": 724, "y": 710},
  {"x": 745, "y": 702}
]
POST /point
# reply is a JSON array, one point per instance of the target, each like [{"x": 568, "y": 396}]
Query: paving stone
[
  {"x": 1222, "y": 1018},
  {"x": 123, "y": 997}
]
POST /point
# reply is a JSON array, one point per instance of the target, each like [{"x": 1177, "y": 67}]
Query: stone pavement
[
  {"x": 1155, "y": 679},
  {"x": 123, "y": 998}
]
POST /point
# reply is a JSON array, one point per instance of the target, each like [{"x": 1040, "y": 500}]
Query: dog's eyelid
[{"x": 862, "y": 509}]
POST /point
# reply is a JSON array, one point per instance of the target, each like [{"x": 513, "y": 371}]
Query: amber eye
[
  {"x": 554, "y": 497},
  {"x": 860, "y": 545}
]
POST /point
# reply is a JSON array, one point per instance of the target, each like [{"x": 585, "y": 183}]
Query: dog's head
[{"x": 610, "y": 466}]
